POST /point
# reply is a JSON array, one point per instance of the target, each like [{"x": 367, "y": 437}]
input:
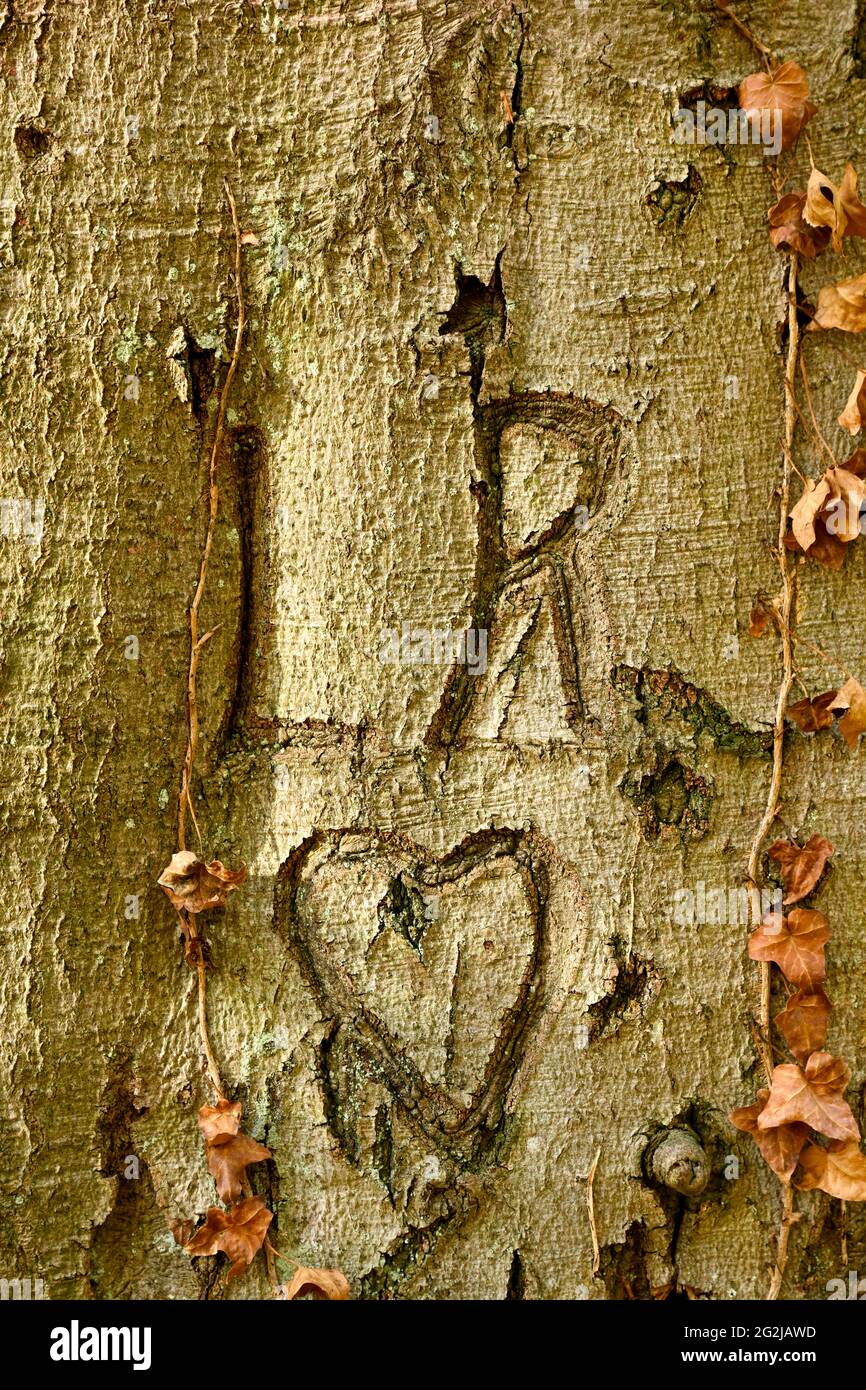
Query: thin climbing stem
[
  {"x": 771, "y": 809},
  {"x": 807, "y": 388},
  {"x": 590, "y": 1210},
  {"x": 194, "y": 944},
  {"x": 196, "y": 643},
  {"x": 787, "y": 677},
  {"x": 833, "y": 662},
  {"x": 212, "y": 1064},
  {"x": 807, "y": 426},
  {"x": 194, "y": 954},
  {"x": 789, "y": 1218},
  {"x": 765, "y": 52}
]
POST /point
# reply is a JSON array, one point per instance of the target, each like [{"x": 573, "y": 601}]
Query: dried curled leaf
[
  {"x": 781, "y": 1146},
  {"x": 812, "y": 1096},
  {"x": 329, "y": 1284},
  {"x": 837, "y": 209},
  {"x": 828, "y": 550},
  {"x": 840, "y": 1169},
  {"x": 842, "y": 305},
  {"x": 795, "y": 943},
  {"x": 851, "y": 700},
  {"x": 853, "y": 417},
  {"x": 758, "y": 620},
  {"x": 227, "y": 1158},
  {"x": 789, "y": 230},
  {"x": 238, "y": 1233},
  {"x": 182, "y": 1229},
  {"x": 813, "y": 715},
  {"x": 193, "y": 886},
  {"x": 824, "y": 207},
  {"x": 855, "y": 212},
  {"x": 228, "y": 1151},
  {"x": 785, "y": 90},
  {"x": 222, "y": 1118},
  {"x": 807, "y": 510},
  {"x": 836, "y": 499},
  {"x": 801, "y": 865},
  {"x": 803, "y": 1022}
]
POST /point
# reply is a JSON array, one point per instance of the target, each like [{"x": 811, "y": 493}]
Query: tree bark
[{"x": 514, "y": 365}]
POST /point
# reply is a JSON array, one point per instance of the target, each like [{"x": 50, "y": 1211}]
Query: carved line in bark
[
  {"x": 462, "y": 1131},
  {"x": 500, "y": 568},
  {"x": 248, "y": 458},
  {"x": 595, "y": 431}
]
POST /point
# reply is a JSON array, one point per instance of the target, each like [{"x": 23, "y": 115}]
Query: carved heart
[{"x": 434, "y": 961}]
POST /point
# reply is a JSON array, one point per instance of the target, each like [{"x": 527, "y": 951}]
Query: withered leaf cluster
[
  {"x": 803, "y": 1117},
  {"x": 802, "y": 1124},
  {"x": 789, "y": 230},
  {"x": 826, "y": 517},
  {"x": 810, "y": 220},
  {"x": 192, "y": 886},
  {"x": 844, "y": 705},
  {"x": 240, "y": 1232},
  {"x": 847, "y": 705}
]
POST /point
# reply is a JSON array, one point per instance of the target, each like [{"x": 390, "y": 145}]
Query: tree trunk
[{"x": 481, "y": 710}]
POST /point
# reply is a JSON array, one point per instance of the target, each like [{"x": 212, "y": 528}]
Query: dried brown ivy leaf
[
  {"x": 856, "y": 464},
  {"x": 789, "y": 230},
  {"x": 785, "y": 90},
  {"x": 238, "y": 1233},
  {"x": 813, "y": 1096},
  {"x": 852, "y": 700},
  {"x": 222, "y": 1118},
  {"x": 228, "y": 1151},
  {"x": 840, "y": 1169},
  {"x": 795, "y": 943},
  {"x": 193, "y": 886},
  {"x": 182, "y": 1229},
  {"x": 828, "y": 550},
  {"x": 842, "y": 305},
  {"x": 844, "y": 506},
  {"x": 758, "y": 620},
  {"x": 855, "y": 212},
  {"x": 853, "y": 416},
  {"x": 836, "y": 500},
  {"x": 837, "y": 208},
  {"x": 781, "y": 1146},
  {"x": 801, "y": 865},
  {"x": 227, "y": 1159},
  {"x": 803, "y": 1022},
  {"x": 329, "y": 1284},
  {"x": 813, "y": 715},
  {"x": 806, "y": 511},
  {"x": 824, "y": 207}
]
